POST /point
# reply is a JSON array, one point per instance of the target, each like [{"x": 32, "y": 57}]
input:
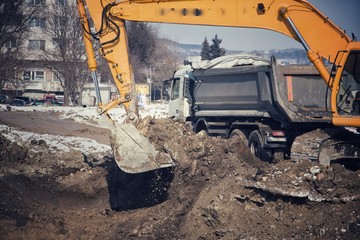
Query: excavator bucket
[{"x": 134, "y": 153}]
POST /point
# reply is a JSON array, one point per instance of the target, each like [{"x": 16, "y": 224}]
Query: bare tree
[
  {"x": 67, "y": 57},
  {"x": 151, "y": 56},
  {"x": 142, "y": 43},
  {"x": 164, "y": 62},
  {"x": 15, "y": 16}
]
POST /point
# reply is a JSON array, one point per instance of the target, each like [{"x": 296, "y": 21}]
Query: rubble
[{"x": 218, "y": 190}]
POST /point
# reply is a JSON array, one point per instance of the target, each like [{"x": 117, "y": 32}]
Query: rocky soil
[{"x": 217, "y": 190}]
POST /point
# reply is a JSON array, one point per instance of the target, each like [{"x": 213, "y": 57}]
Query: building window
[
  {"x": 37, "y": 22},
  {"x": 37, "y": 44},
  {"x": 27, "y": 76},
  {"x": 34, "y": 76},
  {"x": 60, "y": 2},
  {"x": 39, "y": 75},
  {"x": 10, "y": 44},
  {"x": 37, "y": 2}
]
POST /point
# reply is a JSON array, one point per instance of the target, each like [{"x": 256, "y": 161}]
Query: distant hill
[
  {"x": 284, "y": 56},
  {"x": 187, "y": 50}
]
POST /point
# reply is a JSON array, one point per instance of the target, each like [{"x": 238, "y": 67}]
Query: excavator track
[{"x": 343, "y": 148}]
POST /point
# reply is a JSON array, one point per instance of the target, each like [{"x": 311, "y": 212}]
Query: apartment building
[{"x": 38, "y": 73}]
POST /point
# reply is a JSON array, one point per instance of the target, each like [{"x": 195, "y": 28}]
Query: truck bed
[{"x": 287, "y": 94}]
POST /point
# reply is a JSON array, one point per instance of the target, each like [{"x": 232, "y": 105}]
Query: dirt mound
[{"x": 218, "y": 190}]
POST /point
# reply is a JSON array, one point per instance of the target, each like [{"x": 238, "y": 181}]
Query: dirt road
[
  {"x": 217, "y": 191},
  {"x": 50, "y": 123}
]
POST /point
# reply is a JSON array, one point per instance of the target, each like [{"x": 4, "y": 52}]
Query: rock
[
  {"x": 31, "y": 215},
  {"x": 308, "y": 176},
  {"x": 321, "y": 176},
  {"x": 315, "y": 170},
  {"x": 221, "y": 197},
  {"x": 241, "y": 198},
  {"x": 201, "y": 134},
  {"x": 220, "y": 233}
]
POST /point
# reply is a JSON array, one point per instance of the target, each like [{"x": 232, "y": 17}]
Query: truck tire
[
  {"x": 241, "y": 135},
  {"x": 256, "y": 146}
]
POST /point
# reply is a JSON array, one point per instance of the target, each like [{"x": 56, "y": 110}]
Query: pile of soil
[{"x": 217, "y": 190}]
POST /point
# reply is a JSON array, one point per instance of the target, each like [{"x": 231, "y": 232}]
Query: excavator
[{"x": 324, "y": 42}]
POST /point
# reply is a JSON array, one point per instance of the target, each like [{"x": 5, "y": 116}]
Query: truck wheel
[
  {"x": 241, "y": 135},
  {"x": 257, "y": 147}
]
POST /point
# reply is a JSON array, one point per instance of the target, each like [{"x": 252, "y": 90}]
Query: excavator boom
[{"x": 319, "y": 31}]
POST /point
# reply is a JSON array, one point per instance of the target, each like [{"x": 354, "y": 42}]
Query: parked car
[
  {"x": 4, "y": 99},
  {"x": 27, "y": 100},
  {"x": 49, "y": 96},
  {"x": 46, "y": 102},
  {"x": 60, "y": 99},
  {"x": 17, "y": 102},
  {"x": 54, "y": 98}
]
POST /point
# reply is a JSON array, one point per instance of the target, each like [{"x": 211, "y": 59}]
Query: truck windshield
[
  {"x": 348, "y": 98},
  {"x": 175, "y": 89}
]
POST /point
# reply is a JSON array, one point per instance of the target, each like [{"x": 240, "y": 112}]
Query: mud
[{"x": 218, "y": 190}]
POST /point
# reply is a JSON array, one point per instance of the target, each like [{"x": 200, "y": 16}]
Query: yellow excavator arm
[
  {"x": 298, "y": 19},
  {"x": 318, "y": 31}
]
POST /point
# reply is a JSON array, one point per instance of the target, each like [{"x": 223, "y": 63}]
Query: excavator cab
[
  {"x": 347, "y": 96},
  {"x": 344, "y": 146}
]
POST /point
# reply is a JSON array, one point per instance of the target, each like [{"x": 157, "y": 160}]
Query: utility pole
[{"x": 150, "y": 81}]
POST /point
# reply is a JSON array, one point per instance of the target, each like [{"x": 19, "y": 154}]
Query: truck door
[
  {"x": 175, "y": 99},
  {"x": 181, "y": 97}
]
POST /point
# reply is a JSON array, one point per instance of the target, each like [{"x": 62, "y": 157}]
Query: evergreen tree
[
  {"x": 215, "y": 49},
  {"x": 205, "y": 50}
]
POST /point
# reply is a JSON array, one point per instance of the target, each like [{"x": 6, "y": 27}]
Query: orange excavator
[{"x": 323, "y": 41}]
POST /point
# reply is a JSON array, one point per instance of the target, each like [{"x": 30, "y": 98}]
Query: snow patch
[
  {"x": 55, "y": 142},
  {"x": 86, "y": 115}
]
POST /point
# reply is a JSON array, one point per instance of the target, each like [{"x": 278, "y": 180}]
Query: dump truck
[{"x": 266, "y": 104}]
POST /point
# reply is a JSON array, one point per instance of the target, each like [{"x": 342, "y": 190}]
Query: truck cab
[{"x": 180, "y": 98}]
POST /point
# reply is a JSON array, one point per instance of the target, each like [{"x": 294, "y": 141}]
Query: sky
[{"x": 344, "y": 13}]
